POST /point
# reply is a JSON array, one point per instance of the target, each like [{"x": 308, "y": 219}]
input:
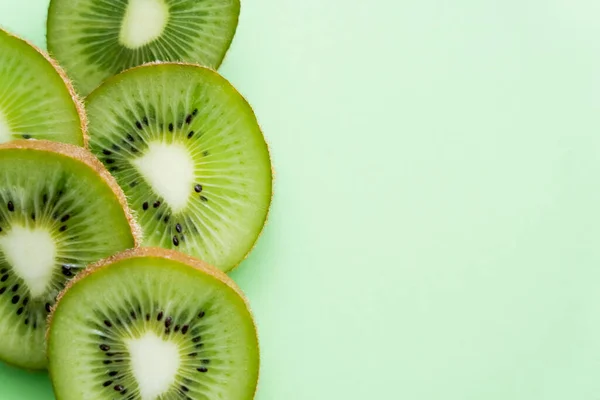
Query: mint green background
[{"x": 435, "y": 226}]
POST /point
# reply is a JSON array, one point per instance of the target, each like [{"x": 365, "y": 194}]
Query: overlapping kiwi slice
[
  {"x": 36, "y": 99},
  {"x": 152, "y": 324},
  {"x": 59, "y": 210},
  {"x": 95, "y": 39},
  {"x": 188, "y": 152}
]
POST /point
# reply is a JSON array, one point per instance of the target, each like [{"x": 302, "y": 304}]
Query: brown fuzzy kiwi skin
[
  {"x": 89, "y": 160},
  {"x": 68, "y": 84},
  {"x": 156, "y": 252},
  {"x": 213, "y": 71}
]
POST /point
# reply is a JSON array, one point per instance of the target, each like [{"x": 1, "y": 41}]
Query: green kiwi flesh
[
  {"x": 95, "y": 39},
  {"x": 152, "y": 324},
  {"x": 188, "y": 152},
  {"x": 57, "y": 214},
  {"x": 36, "y": 99}
]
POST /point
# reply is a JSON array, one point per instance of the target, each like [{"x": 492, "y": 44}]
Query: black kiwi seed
[
  {"x": 193, "y": 354},
  {"x": 206, "y": 361},
  {"x": 184, "y": 329},
  {"x": 201, "y": 314},
  {"x": 166, "y": 219},
  {"x": 196, "y": 339},
  {"x": 4, "y": 278},
  {"x": 45, "y": 198},
  {"x": 109, "y": 161},
  {"x": 15, "y": 299},
  {"x": 3, "y": 270},
  {"x": 138, "y": 124},
  {"x": 63, "y": 228},
  {"x": 176, "y": 329},
  {"x": 112, "y": 373},
  {"x": 25, "y": 301},
  {"x": 130, "y": 138},
  {"x": 178, "y": 227},
  {"x": 195, "y": 112},
  {"x": 159, "y": 316},
  {"x": 175, "y": 241},
  {"x": 11, "y": 206},
  {"x": 26, "y": 136},
  {"x": 133, "y": 184},
  {"x": 104, "y": 347},
  {"x": 171, "y": 127},
  {"x": 107, "y": 323},
  {"x": 189, "y": 136},
  {"x": 106, "y": 152},
  {"x": 119, "y": 388},
  {"x": 15, "y": 287},
  {"x": 133, "y": 316},
  {"x": 107, "y": 383},
  {"x": 33, "y": 216},
  {"x": 48, "y": 309},
  {"x": 65, "y": 218},
  {"x": 67, "y": 271},
  {"x": 145, "y": 121},
  {"x": 204, "y": 198},
  {"x": 156, "y": 204},
  {"x": 145, "y": 205},
  {"x": 168, "y": 322},
  {"x": 205, "y": 153},
  {"x": 20, "y": 311},
  {"x": 147, "y": 317},
  {"x": 106, "y": 362},
  {"x": 26, "y": 321},
  {"x": 2, "y": 290},
  {"x": 198, "y": 188},
  {"x": 184, "y": 388},
  {"x": 202, "y": 369},
  {"x": 188, "y": 119}
]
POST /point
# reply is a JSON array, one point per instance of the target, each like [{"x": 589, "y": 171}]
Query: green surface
[{"x": 435, "y": 225}]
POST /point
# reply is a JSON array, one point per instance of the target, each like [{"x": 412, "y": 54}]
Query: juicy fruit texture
[
  {"x": 95, "y": 39},
  {"x": 36, "y": 100},
  {"x": 57, "y": 214},
  {"x": 152, "y": 324},
  {"x": 188, "y": 152}
]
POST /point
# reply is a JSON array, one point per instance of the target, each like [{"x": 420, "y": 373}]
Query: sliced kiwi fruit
[
  {"x": 59, "y": 210},
  {"x": 188, "y": 152},
  {"x": 36, "y": 98},
  {"x": 151, "y": 324},
  {"x": 95, "y": 39}
]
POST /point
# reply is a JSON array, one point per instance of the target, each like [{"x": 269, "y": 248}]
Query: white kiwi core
[
  {"x": 144, "y": 22},
  {"x": 155, "y": 363},
  {"x": 32, "y": 254},
  {"x": 169, "y": 169}
]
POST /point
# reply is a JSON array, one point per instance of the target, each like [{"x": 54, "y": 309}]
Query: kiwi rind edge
[
  {"x": 86, "y": 157},
  {"x": 157, "y": 252},
  {"x": 79, "y": 106},
  {"x": 212, "y": 70}
]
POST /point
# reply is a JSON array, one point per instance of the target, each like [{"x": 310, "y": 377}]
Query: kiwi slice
[
  {"x": 188, "y": 152},
  {"x": 36, "y": 99},
  {"x": 59, "y": 210},
  {"x": 152, "y": 324},
  {"x": 95, "y": 39}
]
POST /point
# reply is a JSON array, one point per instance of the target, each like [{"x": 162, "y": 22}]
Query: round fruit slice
[
  {"x": 152, "y": 324},
  {"x": 36, "y": 99},
  {"x": 188, "y": 152},
  {"x": 59, "y": 210},
  {"x": 95, "y": 39}
]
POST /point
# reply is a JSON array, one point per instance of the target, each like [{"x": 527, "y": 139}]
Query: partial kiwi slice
[
  {"x": 95, "y": 39},
  {"x": 59, "y": 210},
  {"x": 151, "y": 324},
  {"x": 36, "y": 98},
  {"x": 188, "y": 152}
]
